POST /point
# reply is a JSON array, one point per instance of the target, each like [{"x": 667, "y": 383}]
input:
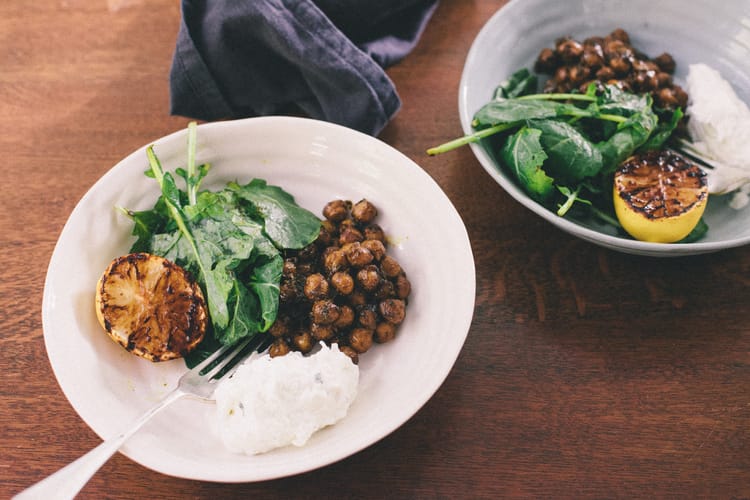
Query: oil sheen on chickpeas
[
  {"x": 343, "y": 288},
  {"x": 612, "y": 59}
]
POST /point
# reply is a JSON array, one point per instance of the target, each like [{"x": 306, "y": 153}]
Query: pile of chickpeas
[
  {"x": 610, "y": 60},
  {"x": 343, "y": 288}
]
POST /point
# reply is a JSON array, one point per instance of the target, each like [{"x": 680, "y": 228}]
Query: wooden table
[{"x": 586, "y": 373}]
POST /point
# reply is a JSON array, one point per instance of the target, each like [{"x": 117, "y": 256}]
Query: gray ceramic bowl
[{"x": 715, "y": 33}]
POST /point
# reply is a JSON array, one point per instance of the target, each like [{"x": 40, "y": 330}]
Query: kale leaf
[{"x": 231, "y": 240}]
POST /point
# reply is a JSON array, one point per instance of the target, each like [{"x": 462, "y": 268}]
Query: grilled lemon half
[
  {"x": 659, "y": 196},
  {"x": 151, "y": 306}
]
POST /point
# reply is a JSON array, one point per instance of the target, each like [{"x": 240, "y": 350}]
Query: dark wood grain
[{"x": 586, "y": 373}]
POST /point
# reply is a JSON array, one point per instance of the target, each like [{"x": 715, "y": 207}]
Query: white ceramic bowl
[
  {"x": 716, "y": 33},
  {"x": 315, "y": 162}
]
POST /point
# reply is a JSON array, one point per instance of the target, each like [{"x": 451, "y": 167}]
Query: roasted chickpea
[
  {"x": 620, "y": 65},
  {"x": 346, "y": 317},
  {"x": 316, "y": 287},
  {"x": 350, "y": 235},
  {"x": 569, "y": 50},
  {"x": 279, "y": 347},
  {"x": 390, "y": 266},
  {"x": 324, "y": 312},
  {"x": 374, "y": 232},
  {"x": 360, "y": 339},
  {"x": 367, "y": 318},
  {"x": 546, "y": 62},
  {"x": 321, "y": 332},
  {"x": 357, "y": 255},
  {"x": 342, "y": 282},
  {"x": 364, "y": 212},
  {"x": 621, "y": 35},
  {"x": 302, "y": 341},
  {"x": 334, "y": 259},
  {"x": 665, "y": 62},
  {"x": 368, "y": 278},
  {"x": 384, "y": 332},
  {"x": 376, "y": 248},
  {"x": 386, "y": 290},
  {"x": 402, "y": 286},
  {"x": 392, "y": 310},
  {"x": 337, "y": 210}
]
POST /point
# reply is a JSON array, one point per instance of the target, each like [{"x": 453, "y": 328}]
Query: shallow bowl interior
[{"x": 715, "y": 33}]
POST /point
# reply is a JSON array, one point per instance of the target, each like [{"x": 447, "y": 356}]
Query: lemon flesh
[{"x": 659, "y": 196}]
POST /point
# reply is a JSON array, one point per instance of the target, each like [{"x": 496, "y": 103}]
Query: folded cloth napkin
[{"x": 321, "y": 58}]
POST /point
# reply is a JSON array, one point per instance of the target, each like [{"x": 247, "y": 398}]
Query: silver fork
[{"x": 69, "y": 480}]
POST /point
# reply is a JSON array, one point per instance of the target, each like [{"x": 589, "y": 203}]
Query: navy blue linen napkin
[{"x": 321, "y": 58}]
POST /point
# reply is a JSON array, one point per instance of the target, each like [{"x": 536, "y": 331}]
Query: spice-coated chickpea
[
  {"x": 546, "y": 61},
  {"x": 368, "y": 278},
  {"x": 367, "y": 318},
  {"x": 324, "y": 312},
  {"x": 390, "y": 266},
  {"x": 346, "y": 317},
  {"x": 350, "y": 234},
  {"x": 392, "y": 310},
  {"x": 337, "y": 210},
  {"x": 342, "y": 282},
  {"x": 334, "y": 259},
  {"x": 303, "y": 341},
  {"x": 321, "y": 332},
  {"x": 386, "y": 290},
  {"x": 360, "y": 339},
  {"x": 316, "y": 287},
  {"x": 569, "y": 50},
  {"x": 402, "y": 286},
  {"x": 374, "y": 232},
  {"x": 665, "y": 62},
  {"x": 357, "y": 255},
  {"x": 384, "y": 332},
  {"x": 376, "y": 248},
  {"x": 279, "y": 347},
  {"x": 364, "y": 212}
]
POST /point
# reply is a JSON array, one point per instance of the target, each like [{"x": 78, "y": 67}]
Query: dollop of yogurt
[
  {"x": 719, "y": 126},
  {"x": 274, "y": 402}
]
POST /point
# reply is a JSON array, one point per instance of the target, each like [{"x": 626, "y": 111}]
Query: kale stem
[
  {"x": 612, "y": 118},
  {"x": 557, "y": 96},
  {"x": 467, "y": 139},
  {"x": 192, "y": 189},
  {"x": 569, "y": 202}
]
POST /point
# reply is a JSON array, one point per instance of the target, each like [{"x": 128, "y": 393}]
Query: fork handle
[{"x": 68, "y": 481}]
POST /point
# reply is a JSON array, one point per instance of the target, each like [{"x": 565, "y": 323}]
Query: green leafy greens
[
  {"x": 563, "y": 149},
  {"x": 232, "y": 241}
]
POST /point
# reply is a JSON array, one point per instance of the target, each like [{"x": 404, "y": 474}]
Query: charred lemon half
[
  {"x": 151, "y": 306},
  {"x": 659, "y": 196}
]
